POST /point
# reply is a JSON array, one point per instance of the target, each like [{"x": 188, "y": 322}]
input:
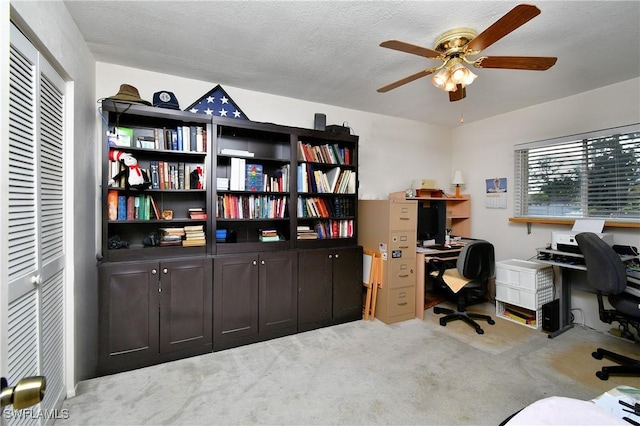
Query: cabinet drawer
[
  {"x": 405, "y": 241},
  {"x": 403, "y": 216},
  {"x": 402, "y": 301},
  {"x": 524, "y": 274},
  {"x": 402, "y": 272},
  {"x": 517, "y": 296}
]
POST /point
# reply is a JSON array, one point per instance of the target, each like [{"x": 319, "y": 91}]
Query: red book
[{"x": 112, "y": 205}]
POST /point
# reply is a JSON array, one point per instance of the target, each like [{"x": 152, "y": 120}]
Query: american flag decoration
[{"x": 217, "y": 103}]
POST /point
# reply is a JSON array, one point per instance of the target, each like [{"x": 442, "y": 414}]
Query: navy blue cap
[{"x": 164, "y": 99}]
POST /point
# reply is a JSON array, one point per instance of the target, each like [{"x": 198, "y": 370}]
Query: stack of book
[
  {"x": 520, "y": 314},
  {"x": 267, "y": 235},
  {"x": 171, "y": 237},
  {"x": 194, "y": 236},
  {"x": 197, "y": 213},
  {"x": 306, "y": 233}
]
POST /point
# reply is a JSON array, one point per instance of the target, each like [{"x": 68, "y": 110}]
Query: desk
[
  {"x": 566, "y": 265},
  {"x": 422, "y": 257}
]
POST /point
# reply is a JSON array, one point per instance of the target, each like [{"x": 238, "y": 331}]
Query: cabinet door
[
  {"x": 278, "y": 291},
  {"x": 128, "y": 312},
  {"x": 235, "y": 296},
  {"x": 347, "y": 283},
  {"x": 314, "y": 286},
  {"x": 185, "y": 304}
]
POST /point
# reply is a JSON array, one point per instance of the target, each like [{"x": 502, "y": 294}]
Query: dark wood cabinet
[
  {"x": 185, "y": 304},
  {"x": 150, "y": 312},
  {"x": 128, "y": 314},
  {"x": 255, "y": 297},
  {"x": 264, "y": 197},
  {"x": 329, "y": 287}
]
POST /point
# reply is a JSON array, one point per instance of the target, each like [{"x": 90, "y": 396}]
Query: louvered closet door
[{"x": 35, "y": 223}]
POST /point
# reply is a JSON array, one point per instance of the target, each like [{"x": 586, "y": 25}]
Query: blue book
[
  {"x": 122, "y": 207},
  {"x": 179, "y": 137}
]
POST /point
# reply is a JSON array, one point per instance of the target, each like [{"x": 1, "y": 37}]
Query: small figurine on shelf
[
  {"x": 447, "y": 238},
  {"x": 135, "y": 177}
]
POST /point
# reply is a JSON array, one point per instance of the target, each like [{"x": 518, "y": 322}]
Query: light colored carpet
[{"x": 411, "y": 373}]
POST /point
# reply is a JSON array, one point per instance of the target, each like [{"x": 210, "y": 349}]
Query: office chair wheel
[
  {"x": 602, "y": 375},
  {"x": 443, "y": 322},
  {"x": 479, "y": 330},
  {"x": 597, "y": 355},
  {"x": 491, "y": 321}
]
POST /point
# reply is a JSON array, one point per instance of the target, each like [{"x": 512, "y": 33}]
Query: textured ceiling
[{"x": 328, "y": 51}]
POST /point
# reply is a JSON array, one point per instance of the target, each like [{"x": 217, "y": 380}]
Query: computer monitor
[{"x": 432, "y": 221}]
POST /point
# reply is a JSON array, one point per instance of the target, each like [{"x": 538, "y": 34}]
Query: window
[{"x": 593, "y": 175}]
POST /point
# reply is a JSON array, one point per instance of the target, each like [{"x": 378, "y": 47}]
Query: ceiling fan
[{"x": 454, "y": 47}]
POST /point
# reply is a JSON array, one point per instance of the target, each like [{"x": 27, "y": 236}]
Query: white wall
[
  {"x": 484, "y": 150},
  {"x": 393, "y": 151}
]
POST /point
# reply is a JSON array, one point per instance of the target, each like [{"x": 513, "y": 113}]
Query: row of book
[
  {"x": 182, "y": 138},
  {"x": 176, "y": 175},
  {"x": 335, "y": 180},
  {"x": 327, "y": 229},
  {"x": 326, "y": 153},
  {"x": 229, "y": 206},
  {"x": 131, "y": 207},
  {"x": 245, "y": 176},
  {"x": 324, "y": 207},
  {"x": 165, "y": 175}
]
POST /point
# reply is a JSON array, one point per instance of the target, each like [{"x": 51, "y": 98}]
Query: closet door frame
[{"x": 32, "y": 208}]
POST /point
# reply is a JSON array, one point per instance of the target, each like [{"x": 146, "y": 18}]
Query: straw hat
[{"x": 129, "y": 93}]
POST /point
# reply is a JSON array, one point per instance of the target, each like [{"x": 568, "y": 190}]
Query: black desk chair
[
  {"x": 607, "y": 274},
  {"x": 468, "y": 283}
]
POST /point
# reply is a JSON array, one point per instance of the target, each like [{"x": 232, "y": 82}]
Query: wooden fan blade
[
  {"x": 410, "y": 48},
  {"x": 406, "y": 80},
  {"x": 514, "y": 19},
  {"x": 535, "y": 63},
  {"x": 459, "y": 94}
]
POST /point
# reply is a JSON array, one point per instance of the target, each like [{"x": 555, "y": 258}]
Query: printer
[{"x": 566, "y": 240}]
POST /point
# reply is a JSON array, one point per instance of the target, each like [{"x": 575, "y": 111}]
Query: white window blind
[{"x": 593, "y": 175}]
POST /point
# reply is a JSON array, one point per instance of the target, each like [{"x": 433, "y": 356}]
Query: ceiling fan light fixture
[
  {"x": 451, "y": 86},
  {"x": 469, "y": 78},
  {"x": 455, "y": 47},
  {"x": 441, "y": 78},
  {"x": 459, "y": 73}
]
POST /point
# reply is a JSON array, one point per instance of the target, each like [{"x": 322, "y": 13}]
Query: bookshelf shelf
[{"x": 174, "y": 176}]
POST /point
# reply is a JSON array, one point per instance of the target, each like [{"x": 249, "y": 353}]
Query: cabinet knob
[
  {"x": 330, "y": 256},
  {"x": 36, "y": 279},
  {"x": 153, "y": 272},
  {"x": 337, "y": 255},
  {"x": 262, "y": 262},
  {"x": 254, "y": 262},
  {"x": 165, "y": 270}
]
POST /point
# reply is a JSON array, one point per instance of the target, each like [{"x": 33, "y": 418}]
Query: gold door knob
[{"x": 29, "y": 391}]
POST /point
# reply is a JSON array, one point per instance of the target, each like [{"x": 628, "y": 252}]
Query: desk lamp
[{"x": 457, "y": 181}]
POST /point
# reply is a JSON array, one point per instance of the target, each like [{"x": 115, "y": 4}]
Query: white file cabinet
[{"x": 522, "y": 287}]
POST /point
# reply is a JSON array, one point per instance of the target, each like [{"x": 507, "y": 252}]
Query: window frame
[{"x": 522, "y": 170}]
